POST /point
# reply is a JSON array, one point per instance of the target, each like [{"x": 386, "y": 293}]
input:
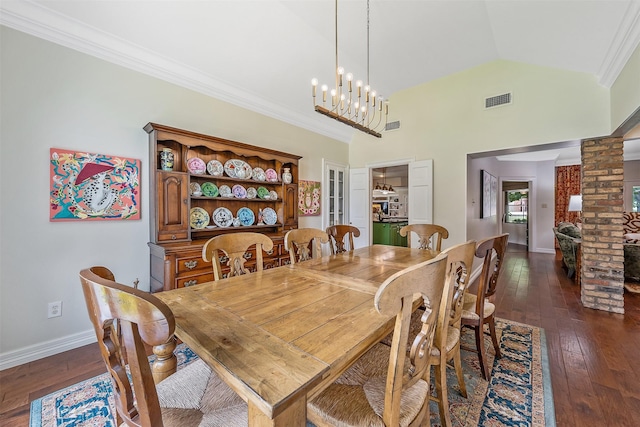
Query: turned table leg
[{"x": 166, "y": 361}]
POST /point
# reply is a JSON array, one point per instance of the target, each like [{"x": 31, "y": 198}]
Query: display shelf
[{"x": 172, "y": 201}]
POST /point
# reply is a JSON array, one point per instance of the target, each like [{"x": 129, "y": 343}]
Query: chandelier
[{"x": 363, "y": 109}]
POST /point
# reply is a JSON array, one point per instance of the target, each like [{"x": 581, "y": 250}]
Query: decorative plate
[
  {"x": 225, "y": 191},
  {"x": 259, "y": 175},
  {"x": 222, "y": 217},
  {"x": 263, "y": 193},
  {"x": 246, "y": 216},
  {"x": 273, "y": 195},
  {"x": 209, "y": 189},
  {"x": 269, "y": 216},
  {"x": 196, "y": 166},
  {"x": 198, "y": 218},
  {"x": 251, "y": 192},
  {"x": 195, "y": 189},
  {"x": 272, "y": 176},
  {"x": 239, "y": 191},
  {"x": 215, "y": 168},
  {"x": 235, "y": 168}
]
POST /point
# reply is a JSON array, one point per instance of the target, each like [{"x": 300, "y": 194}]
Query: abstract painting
[{"x": 89, "y": 186}]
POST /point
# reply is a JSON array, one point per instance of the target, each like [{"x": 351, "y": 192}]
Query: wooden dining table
[{"x": 280, "y": 336}]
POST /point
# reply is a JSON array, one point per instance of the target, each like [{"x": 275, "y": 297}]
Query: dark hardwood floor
[{"x": 592, "y": 354}]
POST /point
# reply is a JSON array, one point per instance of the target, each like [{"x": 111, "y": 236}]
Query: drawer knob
[
  {"x": 191, "y": 264},
  {"x": 247, "y": 255},
  {"x": 173, "y": 237},
  {"x": 224, "y": 259},
  {"x": 190, "y": 283},
  {"x": 270, "y": 252}
]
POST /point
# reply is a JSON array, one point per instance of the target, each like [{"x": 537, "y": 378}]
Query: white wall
[
  {"x": 56, "y": 97},
  {"x": 444, "y": 120}
]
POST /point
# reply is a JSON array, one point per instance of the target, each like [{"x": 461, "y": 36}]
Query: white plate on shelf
[
  {"x": 239, "y": 169},
  {"x": 222, "y": 217},
  {"x": 259, "y": 175},
  {"x": 215, "y": 168},
  {"x": 272, "y": 175},
  {"x": 246, "y": 216},
  {"x": 252, "y": 192},
  {"x": 195, "y": 189},
  {"x": 196, "y": 166},
  {"x": 198, "y": 218},
  {"x": 225, "y": 191},
  {"x": 273, "y": 195},
  {"x": 269, "y": 216}
]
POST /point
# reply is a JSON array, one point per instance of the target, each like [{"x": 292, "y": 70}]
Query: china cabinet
[{"x": 213, "y": 186}]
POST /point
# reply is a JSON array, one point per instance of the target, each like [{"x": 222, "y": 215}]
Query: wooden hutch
[{"x": 176, "y": 247}]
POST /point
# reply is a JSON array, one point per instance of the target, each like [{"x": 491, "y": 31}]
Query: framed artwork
[
  {"x": 89, "y": 186},
  {"x": 308, "y": 198},
  {"x": 485, "y": 194},
  {"x": 494, "y": 195}
]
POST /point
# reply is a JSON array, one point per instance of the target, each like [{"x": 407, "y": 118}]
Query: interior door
[
  {"x": 360, "y": 204},
  {"x": 420, "y": 193}
]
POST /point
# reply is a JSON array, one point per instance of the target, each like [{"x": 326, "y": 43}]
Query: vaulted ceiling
[{"x": 262, "y": 54}]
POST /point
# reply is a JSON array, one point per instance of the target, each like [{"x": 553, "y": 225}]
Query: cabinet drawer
[
  {"x": 191, "y": 264},
  {"x": 183, "y": 282}
]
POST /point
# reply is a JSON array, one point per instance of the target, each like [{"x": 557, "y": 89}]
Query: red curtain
[{"x": 567, "y": 184}]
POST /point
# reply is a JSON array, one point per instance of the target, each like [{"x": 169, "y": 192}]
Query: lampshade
[{"x": 575, "y": 203}]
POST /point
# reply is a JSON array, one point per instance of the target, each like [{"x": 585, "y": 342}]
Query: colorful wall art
[
  {"x": 308, "y": 198},
  {"x": 88, "y": 186}
]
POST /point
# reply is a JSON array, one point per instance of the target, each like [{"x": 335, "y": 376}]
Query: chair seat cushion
[
  {"x": 356, "y": 398},
  {"x": 453, "y": 337},
  {"x": 196, "y": 396},
  {"x": 469, "y": 308}
]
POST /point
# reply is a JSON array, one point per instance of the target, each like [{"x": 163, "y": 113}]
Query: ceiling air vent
[
  {"x": 392, "y": 125},
  {"x": 498, "y": 100}
]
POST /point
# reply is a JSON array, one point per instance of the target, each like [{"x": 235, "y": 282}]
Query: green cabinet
[{"x": 388, "y": 233}]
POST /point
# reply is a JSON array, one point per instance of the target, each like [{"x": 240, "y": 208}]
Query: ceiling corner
[{"x": 624, "y": 43}]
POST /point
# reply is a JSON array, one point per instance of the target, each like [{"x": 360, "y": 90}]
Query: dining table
[{"x": 280, "y": 336}]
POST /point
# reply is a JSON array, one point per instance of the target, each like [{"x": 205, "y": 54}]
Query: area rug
[{"x": 518, "y": 393}]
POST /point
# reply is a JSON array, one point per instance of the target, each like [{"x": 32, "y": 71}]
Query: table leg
[
  {"x": 294, "y": 415},
  {"x": 166, "y": 361}
]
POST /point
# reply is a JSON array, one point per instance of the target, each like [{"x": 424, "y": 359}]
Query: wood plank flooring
[{"x": 593, "y": 355}]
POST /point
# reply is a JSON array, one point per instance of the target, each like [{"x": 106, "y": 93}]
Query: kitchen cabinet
[{"x": 388, "y": 233}]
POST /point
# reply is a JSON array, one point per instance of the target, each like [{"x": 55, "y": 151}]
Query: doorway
[{"x": 516, "y": 215}]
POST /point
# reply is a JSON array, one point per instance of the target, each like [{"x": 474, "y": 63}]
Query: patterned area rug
[{"x": 519, "y": 393}]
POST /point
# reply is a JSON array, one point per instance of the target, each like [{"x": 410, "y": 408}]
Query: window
[
  {"x": 517, "y": 207},
  {"x": 635, "y": 198}
]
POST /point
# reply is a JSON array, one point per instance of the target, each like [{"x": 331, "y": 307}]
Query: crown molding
[
  {"x": 624, "y": 43},
  {"x": 40, "y": 21}
]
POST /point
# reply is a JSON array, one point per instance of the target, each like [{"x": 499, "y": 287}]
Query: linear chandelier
[{"x": 363, "y": 111}]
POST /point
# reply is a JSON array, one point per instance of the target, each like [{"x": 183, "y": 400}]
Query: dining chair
[
  {"x": 479, "y": 309},
  {"x": 337, "y": 235},
  {"x": 388, "y": 386},
  {"x": 304, "y": 243},
  {"x": 446, "y": 345},
  {"x": 234, "y": 247},
  {"x": 193, "y": 396},
  {"x": 425, "y": 233}
]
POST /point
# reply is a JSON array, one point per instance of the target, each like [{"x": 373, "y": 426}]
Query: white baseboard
[
  {"x": 45, "y": 349},
  {"x": 544, "y": 251}
]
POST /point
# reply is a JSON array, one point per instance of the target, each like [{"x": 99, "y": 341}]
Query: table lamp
[{"x": 575, "y": 204}]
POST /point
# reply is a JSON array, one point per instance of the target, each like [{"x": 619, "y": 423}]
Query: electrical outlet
[{"x": 54, "y": 309}]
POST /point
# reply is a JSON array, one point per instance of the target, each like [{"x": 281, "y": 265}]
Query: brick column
[{"x": 602, "y": 208}]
